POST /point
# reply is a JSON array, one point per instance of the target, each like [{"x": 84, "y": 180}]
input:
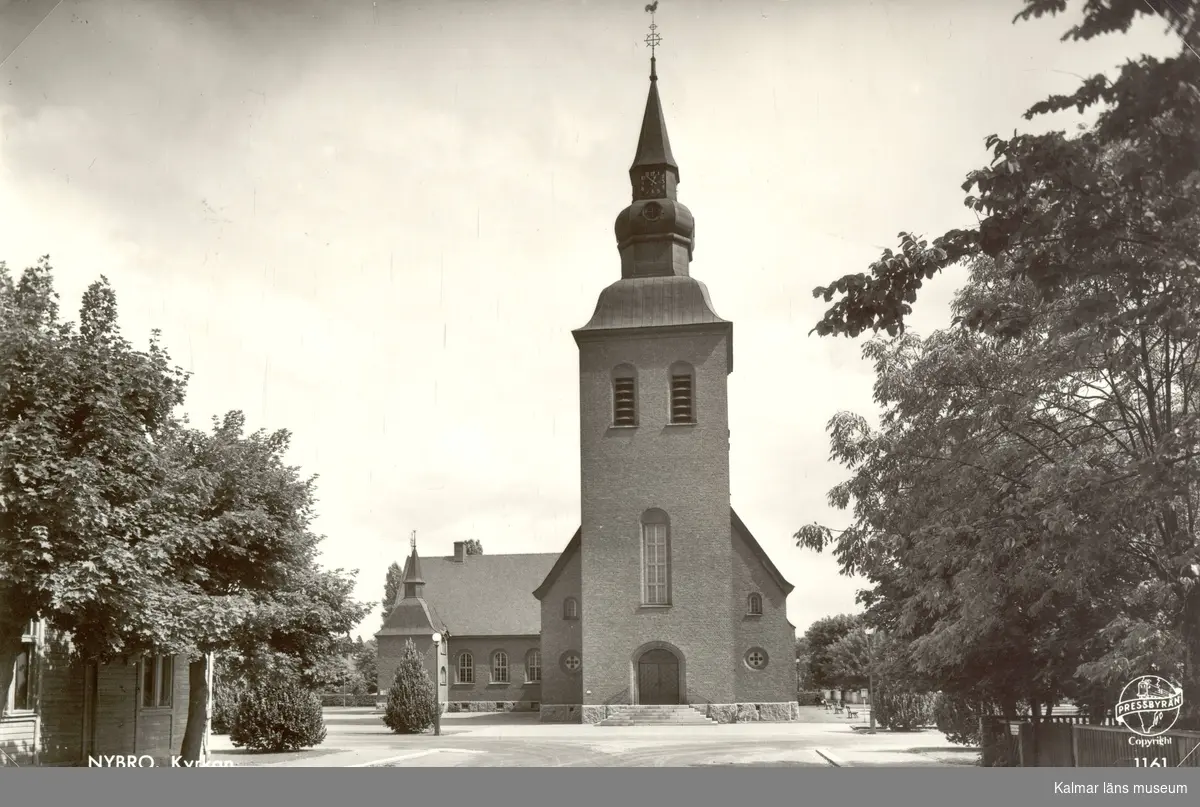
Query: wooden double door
[{"x": 658, "y": 678}]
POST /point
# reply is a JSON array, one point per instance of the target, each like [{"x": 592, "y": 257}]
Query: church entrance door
[{"x": 658, "y": 678}]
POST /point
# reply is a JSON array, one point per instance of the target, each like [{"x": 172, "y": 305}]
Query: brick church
[{"x": 663, "y": 596}]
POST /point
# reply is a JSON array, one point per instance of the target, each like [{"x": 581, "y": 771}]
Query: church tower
[{"x": 657, "y": 560}]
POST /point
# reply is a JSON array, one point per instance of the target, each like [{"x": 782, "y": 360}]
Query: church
[{"x": 663, "y": 597}]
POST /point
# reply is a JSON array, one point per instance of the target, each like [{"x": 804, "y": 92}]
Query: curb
[{"x": 831, "y": 758}]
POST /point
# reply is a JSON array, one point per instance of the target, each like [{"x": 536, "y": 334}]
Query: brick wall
[
  {"x": 684, "y": 470},
  {"x": 560, "y": 636},
  {"x": 390, "y": 649},
  {"x": 770, "y": 631},
  {"x": 483, "y": 690}
]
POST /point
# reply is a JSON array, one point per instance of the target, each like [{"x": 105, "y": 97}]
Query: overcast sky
[{"x": 376, "y": 223}]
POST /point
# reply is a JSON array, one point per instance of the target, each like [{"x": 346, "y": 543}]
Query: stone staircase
[{"x": 656, "y": 716}]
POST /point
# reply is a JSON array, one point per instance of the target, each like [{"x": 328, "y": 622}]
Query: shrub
[
  {"x": 899, "y": 710},
  {"x": 412, "y": 701},
  {"x": 958, "y": 716},
  {"x": 809, "y": 697},
  {"x": 278, "y": 716},
  {"x": 225, "y": 702}
]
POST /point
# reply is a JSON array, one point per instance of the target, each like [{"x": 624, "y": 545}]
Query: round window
[
  {"x": 756, "y": 658},
  {"x": 571, "y": 662}
]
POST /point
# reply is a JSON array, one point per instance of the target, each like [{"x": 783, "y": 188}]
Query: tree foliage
[
  {"x": 392, "y": 587},
  {"x": 1026, "y": 508},
  {"x": 820, "y": 638},
  {"x": 1042, "y": 198},
  {"x": 278, "y": 715},
  {"x": 131, "y": 532},
  {"x": 473, "y": 546}
]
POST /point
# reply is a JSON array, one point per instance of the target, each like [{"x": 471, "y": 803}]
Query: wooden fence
[{"x": 1069, "y": 743}]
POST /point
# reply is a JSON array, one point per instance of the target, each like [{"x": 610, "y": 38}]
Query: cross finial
[
  {"x": 652, "y": 38},
  {"x": 413, "y": 540}
]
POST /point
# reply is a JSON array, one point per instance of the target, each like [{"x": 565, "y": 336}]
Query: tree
[
  {"x": 472, "y": 546},
  {"x": 1058, "y": 424},
  {"x": 1033, "y": 180},
  {"x": 411, "y": 702},
  {"x": 1022, "y": 510},
  {"x": 366, "y": 661},
  {"x": 820, "y": 637},
  {"x": 83, "y": 536},
  {"x": 391, "y": 588},
  {"x": 252, "y": 555}
]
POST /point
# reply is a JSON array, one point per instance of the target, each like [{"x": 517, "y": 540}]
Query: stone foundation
[
  {"x": 561, "y": 713},
  {"x": 490, "y": 706},
  {"x": 752, "y": 712},
  {"x": 594, "y": 714}
]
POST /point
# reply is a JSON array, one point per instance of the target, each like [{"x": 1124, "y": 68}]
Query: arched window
[
  {"x": 624, "y": 384},
  {"x": 570, "y": 608},
  {"x": 754, "y": 604},
  {"x": 533, "y": 666},
  {"x": 442, "y": 679},
  {"x": 683, "y": 397},
  {"x": 656, "y": 558},
  {"x": 466, "y": 668},
  {"x": 500, "y": 667}
]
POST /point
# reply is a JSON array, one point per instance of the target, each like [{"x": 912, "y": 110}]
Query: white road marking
[{"x": 832, "y": 758}]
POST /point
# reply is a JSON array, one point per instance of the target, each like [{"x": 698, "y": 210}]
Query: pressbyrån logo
[{"x": 1149, "y": 705}]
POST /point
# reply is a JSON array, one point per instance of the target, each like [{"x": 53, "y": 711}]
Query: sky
[{"x": 375, "y": 224}]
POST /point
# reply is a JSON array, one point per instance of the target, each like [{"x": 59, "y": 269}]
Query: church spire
[
  {"x": 414, "y": 584},
  {"x": 655, "y": 234}
]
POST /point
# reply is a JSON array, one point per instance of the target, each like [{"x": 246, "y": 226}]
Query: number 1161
[{"x": 1149, "y": 762}]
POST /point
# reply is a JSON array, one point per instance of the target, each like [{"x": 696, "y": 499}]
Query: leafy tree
[
  {"x": 820, "y": 637},
  {"x": 412, "y": 701},
  {"x": 1059, "y": 424},
  {"x": 251, "y": 553},
  {"x": 392, "y": 588},
  {"x": 83, "y": 537},
  {"x": 366, "y": 661},
  {"x": 1036, "y": 183},
  {"x": 472, "y": 546}
]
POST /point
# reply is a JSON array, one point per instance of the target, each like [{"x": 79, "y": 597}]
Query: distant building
[
  {"x": 663, "y": 596},
  {"x": 60, "y": 712}
]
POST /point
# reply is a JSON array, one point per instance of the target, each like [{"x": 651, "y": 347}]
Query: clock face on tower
[{"x": 654, "y": 185}]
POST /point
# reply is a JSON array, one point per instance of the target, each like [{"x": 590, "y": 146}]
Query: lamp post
[
  {"x": 437, "y": 685},
  {"x": 871, "y": 674}
]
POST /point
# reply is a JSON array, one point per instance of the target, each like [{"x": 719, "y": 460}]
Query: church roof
[
  {"x": 644, "y": 302},
  {"x": 483, "y": 595},
  {"x": 736, "y": 524}
]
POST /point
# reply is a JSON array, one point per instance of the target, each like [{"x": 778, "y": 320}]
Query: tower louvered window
[
  {"x": 682, "y": 403},
  {"x": 624, "y": 402}
]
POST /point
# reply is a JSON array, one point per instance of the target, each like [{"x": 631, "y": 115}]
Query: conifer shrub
[
  {"x": 280, "y": 715},
  {"x": 411, "y": 701}
]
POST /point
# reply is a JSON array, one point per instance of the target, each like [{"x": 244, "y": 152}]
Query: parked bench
[{"x": 851, "y": 714}]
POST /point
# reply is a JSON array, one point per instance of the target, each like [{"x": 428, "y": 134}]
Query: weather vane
[
  {"x": 652, "y": 38},
  {"x": 413, "y": 541}
]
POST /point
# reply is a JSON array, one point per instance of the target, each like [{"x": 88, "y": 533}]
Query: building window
[
  {"x": 442, "y": 680},
  {"x": 624, "y": 396},
  {"x": 533, "y": 667},
  {"x": 656, "y": 559},
  {"x": 756, "y": 658},
  {"x": 500, "y": 667},
  {"x": 158, "y": 679},
  {"x": 571, "y": 662},
  {"x": 754, "y": 604},
  {"x": 683, "y": 403},
  {"x": 466, "y": 668},
  {"x": 570, "y": 608},
  {"x": 22, "y": 692}
]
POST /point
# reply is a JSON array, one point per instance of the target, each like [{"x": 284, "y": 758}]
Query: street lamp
[
  {"x": 871, "y": 674},
  {"x": 437, "y": 685}
]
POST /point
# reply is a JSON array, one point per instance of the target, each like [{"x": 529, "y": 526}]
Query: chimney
[{"x": 460, "y": 551}]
